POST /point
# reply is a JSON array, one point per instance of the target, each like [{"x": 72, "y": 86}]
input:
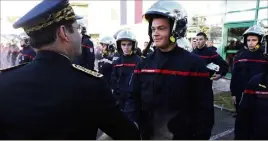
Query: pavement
[
  {"x": 224, "y": 122},
  {"x": 224, "y": 126},
  {"x": 221, "y": 85}
]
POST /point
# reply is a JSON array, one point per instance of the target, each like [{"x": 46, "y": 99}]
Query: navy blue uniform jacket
[
  {"x": 246, "y": 65},
  {"x": 251, "y": 122},
  {"x": 87, "y": 58},
  {"x": 27, "y": 55},
  {"x": 211, "y": 56},
  {"x": 51, "y": 99},
  {"x": 175, "y": 86}
]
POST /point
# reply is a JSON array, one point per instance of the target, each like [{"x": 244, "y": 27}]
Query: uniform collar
[
  {"x": 52, "y": 56},
  {"x": 173, "y": 51}
]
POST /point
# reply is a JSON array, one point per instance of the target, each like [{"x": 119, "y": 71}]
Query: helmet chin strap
[
  {"x": 172, "y": 39},
  {"x": 255, "y": 48}
]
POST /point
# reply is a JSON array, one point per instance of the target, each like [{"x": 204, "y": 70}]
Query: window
[
  {"x": 263, "y": 14},
  {"x": 240, "y": 16},
  {"x": 263, "y": 3},
  {"x": 234, "y": 5}
]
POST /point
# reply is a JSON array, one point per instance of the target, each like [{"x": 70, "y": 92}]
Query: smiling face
[{"x": 161, "y": 32}]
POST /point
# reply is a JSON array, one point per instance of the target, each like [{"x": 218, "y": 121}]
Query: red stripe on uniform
[
  {"x": 126, "y": 65},
  {"x": 256, "y": 92},
  {"x": 171, "y": 72},
  {"x": 250, "y": 60},
  {"x": 28, "y": 56},
  {"x": 86, "y": 46},
  {"x": 213, "y": 56}
]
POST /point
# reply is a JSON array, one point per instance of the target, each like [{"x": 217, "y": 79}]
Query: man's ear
[{"x": 62, "y": 33}]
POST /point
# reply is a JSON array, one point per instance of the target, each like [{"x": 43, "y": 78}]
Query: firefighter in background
[
  {"x": 210, "y": 56},
  {"x": 172, "y": 85},
  {"x": 27, "y": 54},
  {"x": 247, "y": 64},
  {"x": 87, "y": 58},
  {"x": 123, "y": 69},
  {"x": 251, "y": 122},
  {"x": 105, "y": 66}
]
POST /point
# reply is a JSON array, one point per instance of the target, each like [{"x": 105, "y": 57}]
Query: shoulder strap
[
  {"x": 93, "y": 73},
  {"x": 12, "y": 68}
]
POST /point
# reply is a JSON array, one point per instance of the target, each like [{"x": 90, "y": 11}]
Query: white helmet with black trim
[
  {"x": 254, "y": 30},
  {"x": 109, "y": 41},
  {"x": 126, "y": 35}
]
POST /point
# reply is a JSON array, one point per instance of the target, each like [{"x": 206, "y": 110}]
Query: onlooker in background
[
  {"x": 145, "y": 46},
  {"x": 194, "y": 44},
  {"x": 210, "y": 45},
  {"x": 230, "y": 56}
]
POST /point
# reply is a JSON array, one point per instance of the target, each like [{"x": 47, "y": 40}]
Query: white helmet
[
  {"x": 108, "y": 40},
  {"x": 254, "y": 30},
  {"x": 126, "y": 35},
  {"x": 173, "y": 11}
]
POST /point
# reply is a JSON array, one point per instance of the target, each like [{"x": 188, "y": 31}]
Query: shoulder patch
[
  {"x": 93, "y": 73},
  {"x": 12, "y": 68}
]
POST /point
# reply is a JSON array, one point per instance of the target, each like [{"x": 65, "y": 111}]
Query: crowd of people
[{"x": 65, "y": 88}]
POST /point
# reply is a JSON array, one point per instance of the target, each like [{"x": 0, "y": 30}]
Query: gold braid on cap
[{"x": 65, "y": 14}]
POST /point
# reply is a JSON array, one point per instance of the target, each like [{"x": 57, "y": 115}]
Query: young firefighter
[
  {"x": 123, "y": 71},
  {"x": 171, "y": 85}
]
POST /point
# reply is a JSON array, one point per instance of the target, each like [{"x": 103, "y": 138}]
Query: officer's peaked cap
[{"x": 46, "y": 13}]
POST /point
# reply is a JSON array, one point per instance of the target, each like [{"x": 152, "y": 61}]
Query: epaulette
[
  {"x": 12, "y": 68},
  {"x": 93, "y": 73},
  {"x": 263, "y": 86}
]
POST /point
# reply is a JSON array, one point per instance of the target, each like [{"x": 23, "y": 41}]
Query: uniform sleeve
[
  {"x": 234, "y": 77},
  {"x": 114, "y": 76},
  {"x": 243, "y": 119},
  {"x": 202, "y": 102},
  {"x": 111, "y": 120},
  {"x": 223, "y": 64},
  {"x": 89, "y": 57},
  {"x": 136, "y": 89}
]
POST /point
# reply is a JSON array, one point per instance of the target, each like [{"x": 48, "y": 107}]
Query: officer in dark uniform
[
  {"x": 251, "y": 122},
  {"x": 123, "y": 69},
  {"x": 27, "y": 53},
  {"x": 248, "y": 63},
  {"x": 105, "y": 66},
  {"x": 87, "y": 58},
  {"x": 51, "y": 98},
  {"x": 210, "y": 56},
  {"x": 172, "y": 85}
]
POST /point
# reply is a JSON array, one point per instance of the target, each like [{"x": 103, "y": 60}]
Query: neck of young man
[
  {"x": 202, "y": 46},
  {"x": 169, "y": 48}
]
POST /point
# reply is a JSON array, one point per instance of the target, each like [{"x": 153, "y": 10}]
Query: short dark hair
[
  {"x": 156, "y": 16},
  {"x": 48, "y": 34},
  {"x": 202, "y": 34}
]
